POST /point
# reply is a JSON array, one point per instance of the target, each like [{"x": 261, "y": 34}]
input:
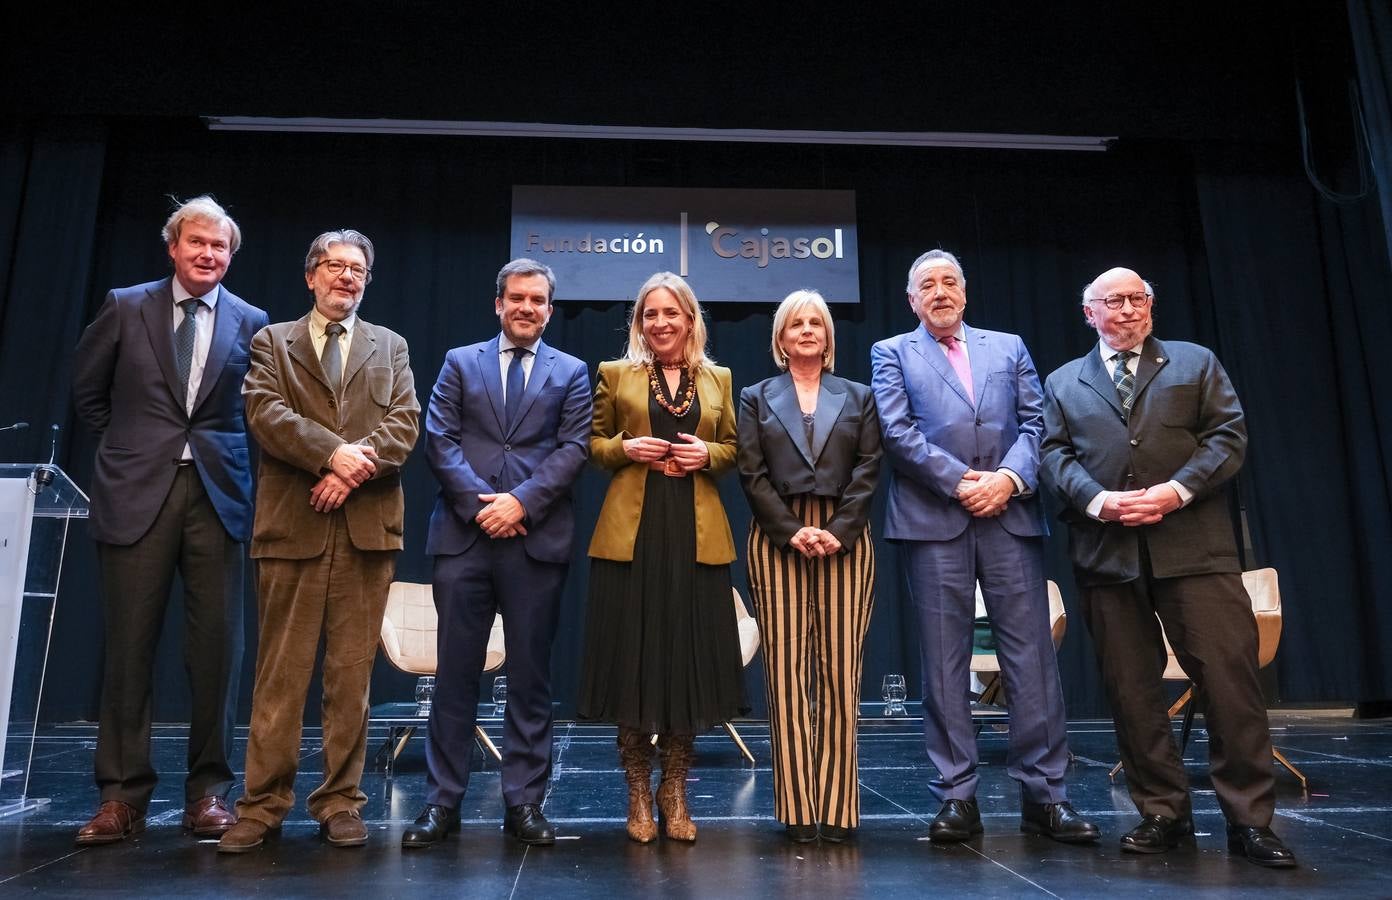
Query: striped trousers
[{"x": 813, "y": 615}]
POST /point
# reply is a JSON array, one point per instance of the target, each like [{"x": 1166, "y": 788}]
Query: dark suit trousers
[
  {"x": 1209, "y": 621},
  {"x": 340, "y": 596},
  {"x": 470, "y": 587},
  {"x": 942, "y": 582},
  {"x": 186, "y": 536}
]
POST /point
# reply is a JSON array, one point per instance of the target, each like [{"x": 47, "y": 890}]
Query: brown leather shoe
[
  {"x": 114, "y": 821},
  {"x": 245, "y": 836},
  {"x": 344, "y": 829},
  {"x": 209, "y": 817}
]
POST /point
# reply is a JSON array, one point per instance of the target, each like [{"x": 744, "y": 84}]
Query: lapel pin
[{"x": 1159, "y": 359}]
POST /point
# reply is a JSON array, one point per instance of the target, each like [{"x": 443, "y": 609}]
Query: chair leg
[
  {"x": 487, "y": 743},
  {"x": 1188, "y": 725},
  {"x": 1281, "y": 758},
  {"x": 1179, "y": 704},
  {"x": 739, "y": 742}
]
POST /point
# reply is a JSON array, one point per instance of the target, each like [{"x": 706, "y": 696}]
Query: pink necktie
[{"x": 958, "y": 357}]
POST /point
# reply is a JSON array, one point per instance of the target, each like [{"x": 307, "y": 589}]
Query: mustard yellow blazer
[{"x": 620, "y": 413}]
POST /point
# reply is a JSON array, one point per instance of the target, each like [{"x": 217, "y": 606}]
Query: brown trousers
[
  {"x": 813, "y": 615},
  {"x": 1209, "y": 621},
  {"x": 342, "y": 595}
]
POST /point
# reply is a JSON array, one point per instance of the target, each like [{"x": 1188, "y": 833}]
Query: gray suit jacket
[{"x": 1186, "y": 425}]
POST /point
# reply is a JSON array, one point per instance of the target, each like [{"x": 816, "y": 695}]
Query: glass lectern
[{"x": 37, "y": 504}]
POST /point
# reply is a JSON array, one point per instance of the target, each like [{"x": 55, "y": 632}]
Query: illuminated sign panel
[{"x": 732, "y": 245}]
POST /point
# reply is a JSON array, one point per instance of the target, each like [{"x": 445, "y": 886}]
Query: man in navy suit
[
  {"x": 507, "y": 434},
  {"x": 960, "y": 410},
  {"x": 158, "y": 376},
  {"x": 1142, "y": 437}
]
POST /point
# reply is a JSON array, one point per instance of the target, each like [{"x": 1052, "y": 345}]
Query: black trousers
[
  {"x": 188, "y": 537},
  {"x": 1208, "y": 619}
]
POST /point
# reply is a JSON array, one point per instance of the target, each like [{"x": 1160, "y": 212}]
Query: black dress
[{"x": 662, "y": 650}]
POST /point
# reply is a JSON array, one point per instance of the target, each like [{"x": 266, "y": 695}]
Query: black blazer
[{"x": 776, "y": 463}]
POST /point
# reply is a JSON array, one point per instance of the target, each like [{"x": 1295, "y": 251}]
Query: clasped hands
[
  {"x": 349, "y": 467},
  {"x": 1140, "y": 507},
  {"x": 812, "y": 542},
  {"x": 688, "y": 451},
  {"x": 985, "y": 494}
]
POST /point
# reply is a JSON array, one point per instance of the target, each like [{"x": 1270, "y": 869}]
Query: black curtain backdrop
[{"x": 1290, "y": 291}]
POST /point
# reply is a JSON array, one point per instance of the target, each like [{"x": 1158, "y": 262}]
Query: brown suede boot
[
  {"x": 635, "y": 753},
  {"x": 676, "y": 751}
]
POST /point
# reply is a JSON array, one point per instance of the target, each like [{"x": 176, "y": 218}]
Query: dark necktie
[
  {"x": 1125, "y": 382},
  {"x": 516, "y": 384},
  {"x": 332, "y": 357},
  {"x": 184, "y": 338}
]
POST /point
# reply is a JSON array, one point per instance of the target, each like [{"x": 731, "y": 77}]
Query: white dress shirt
[{"x": 505, "y": 357}]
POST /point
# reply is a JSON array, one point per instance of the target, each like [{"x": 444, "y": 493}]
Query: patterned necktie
[
  {"x": 332, "y": 357},
  {"x": 958, "y": 357},
  {"x": 185, "y": 336},
  {"x": 512, "y": 392},
  {"x": 1125, "y": 382}
]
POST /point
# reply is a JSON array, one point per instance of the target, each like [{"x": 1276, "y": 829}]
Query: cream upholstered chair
[
  {"x": 986, "y": 666},
  {"x": 408, "y": 641},
  {"x": 1264, "y": 590},
  {"x": 749, "y": 646}
]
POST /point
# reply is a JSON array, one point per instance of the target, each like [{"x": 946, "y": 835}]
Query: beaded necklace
[{"x": 680, "y": 409}]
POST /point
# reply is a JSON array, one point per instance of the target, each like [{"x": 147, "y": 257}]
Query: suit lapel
[
  {"x": 783, "y": 400},
  {"x": 1148, "y": 365},
  {"x": 364, "y": 344},
  {"x": 493, "y": 381},
  {"x": 157, "y": 311},
  {"x": 979, "y": 359},
  {"x": 227, "y": 322},
  {"x": 301, "y": 350},
  {"x": 830, "y": 399},
  {"x": 927, "y": 348},
  {"x": 542, "y": 365},
  {"x": 1094, "y": 375}
]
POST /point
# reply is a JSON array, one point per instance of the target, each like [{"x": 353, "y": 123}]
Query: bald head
[{"x": 1127, "y": 325}]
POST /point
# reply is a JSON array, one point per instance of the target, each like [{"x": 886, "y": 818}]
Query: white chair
[
  {"x": 408, "y": 641},
  {"x": 749, "y": 646}
]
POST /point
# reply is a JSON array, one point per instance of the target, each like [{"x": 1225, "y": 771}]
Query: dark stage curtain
[
  {"x": 1031, "y": 228},
  {"x": 1370, "y": 24}
]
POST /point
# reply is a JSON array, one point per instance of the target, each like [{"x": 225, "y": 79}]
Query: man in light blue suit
[
  {"x": 507, "y": 434},
  {"x": 961, "y": 413}
]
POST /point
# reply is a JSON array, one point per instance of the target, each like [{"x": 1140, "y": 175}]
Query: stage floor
[{"x": 1341, "y": 830}]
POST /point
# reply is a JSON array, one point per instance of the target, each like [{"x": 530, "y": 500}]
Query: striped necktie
[{"x": 1125, "y": 382}]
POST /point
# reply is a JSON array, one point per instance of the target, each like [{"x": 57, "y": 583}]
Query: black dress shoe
[
  {"x": 526, "y": 823},
  {"x": 836, "y": 834},
  {"x": 802, "y": 834},
  {"x": 1260, "y": 845},
  {"x": 957, "y": 821},
  {"x": 1059, "y": 821},
  {"x": 1156, "y": 834},
  {"x": 431, "y": 826}
]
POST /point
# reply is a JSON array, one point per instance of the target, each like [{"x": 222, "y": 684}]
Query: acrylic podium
[{"x": 37, "y": 505}]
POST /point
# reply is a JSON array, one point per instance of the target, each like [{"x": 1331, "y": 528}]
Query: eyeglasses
[
  {"x": 1116, "y": 301},
  {"x": 335, "y": 268}
]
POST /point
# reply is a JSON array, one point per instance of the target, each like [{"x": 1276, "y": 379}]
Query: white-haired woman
[
  {"x": 662, "y": 652},
  {"x": 809, "y": 458}
]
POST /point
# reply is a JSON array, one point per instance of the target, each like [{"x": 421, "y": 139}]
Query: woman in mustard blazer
[{"x": 662, "y": 651}]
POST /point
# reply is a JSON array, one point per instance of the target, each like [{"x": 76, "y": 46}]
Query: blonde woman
[
  {"x": 809, "y": 457},
  {"x": 662, "y": 653}
]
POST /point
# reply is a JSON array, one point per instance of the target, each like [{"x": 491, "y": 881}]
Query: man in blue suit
[
  {"x": 960, "y": 409},
  {"x": 507, "y": 434},
  {"x": 158, "y": 376}
]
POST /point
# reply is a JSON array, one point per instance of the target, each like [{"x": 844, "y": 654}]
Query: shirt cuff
[
  {"x": 1185, "y": 495},
  {"x": 1094, "y": 507},
  {"x": 1019, "y": 482}
]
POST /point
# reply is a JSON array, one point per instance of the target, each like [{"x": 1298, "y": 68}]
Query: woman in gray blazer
[{"x": 809, "y": 457}]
